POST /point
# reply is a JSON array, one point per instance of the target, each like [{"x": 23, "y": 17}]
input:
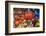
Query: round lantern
[{"x": 29, "y": 16}]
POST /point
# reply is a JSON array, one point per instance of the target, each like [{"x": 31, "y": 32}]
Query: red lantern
[
  {"x": 16, "y": 22},
  {"x": 29, "y": 16}
]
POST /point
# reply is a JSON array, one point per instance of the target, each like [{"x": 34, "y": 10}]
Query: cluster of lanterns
[{"x": 28, "y": 15}]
